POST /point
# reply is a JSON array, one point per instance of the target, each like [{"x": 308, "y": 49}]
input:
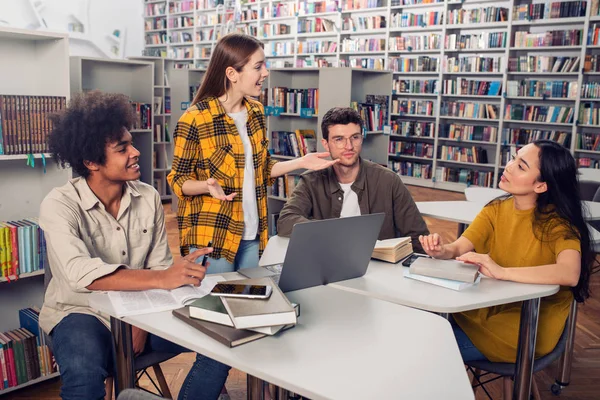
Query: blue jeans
[
  {"x": 246, "y": 257},
  {"x": 468, "y": 351},
  {"x": 83, "y": 349}
]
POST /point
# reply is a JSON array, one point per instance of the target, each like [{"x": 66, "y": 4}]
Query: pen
[{"x": 206, "y": 255}]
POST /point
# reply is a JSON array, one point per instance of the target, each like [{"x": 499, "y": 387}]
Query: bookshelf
[
  {"x": 38, "y": 64},
  {"x": 163, "y": 124},
  {"x": 134, "y": 79},
  {"x": 337, "y": 87},
  {"x": 184, "y": 83}
]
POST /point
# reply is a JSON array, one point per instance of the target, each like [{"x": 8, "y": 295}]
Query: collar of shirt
[
  {"x": 216, "y": 109},
  {"x": 359, "y": 183},
  {"x": 89, "y": 199}
]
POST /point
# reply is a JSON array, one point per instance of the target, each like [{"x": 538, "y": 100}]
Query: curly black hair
[{"x": 81, "y": 131}]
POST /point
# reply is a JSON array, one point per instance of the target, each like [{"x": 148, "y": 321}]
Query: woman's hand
[
  {"x": 217, "y": 192},
  {"x": 315, "y": 161},
  {"x": 487, "y": 266},
  {"x": 432, "y": 245}
]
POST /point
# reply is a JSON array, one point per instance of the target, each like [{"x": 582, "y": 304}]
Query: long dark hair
[
  {"x": 232, "y": 50},
  {"x": 562, "y": 198}
]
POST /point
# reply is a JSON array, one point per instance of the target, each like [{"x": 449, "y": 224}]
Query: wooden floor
[{"x": 585, "y": 377}]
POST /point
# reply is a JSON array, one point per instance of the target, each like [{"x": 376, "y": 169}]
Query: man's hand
[
  {"x": 217, "y": 192},
  {"x": 139, "y": 339},
  {"x": 184, "y": 271}
]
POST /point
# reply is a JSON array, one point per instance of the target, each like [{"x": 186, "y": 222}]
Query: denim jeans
[
  {"x": 246, "y": 257},
  {"x": 83, "y": 349},
  {"x": 468, "y": 351}
]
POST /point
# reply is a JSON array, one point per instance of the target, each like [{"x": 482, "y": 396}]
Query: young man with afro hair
[{"x": 105, "y": 230}]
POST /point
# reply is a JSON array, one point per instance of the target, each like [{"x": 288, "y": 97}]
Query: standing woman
[
  {"x": 222, "y": 166},
  {"x": 536, "y": 234}
]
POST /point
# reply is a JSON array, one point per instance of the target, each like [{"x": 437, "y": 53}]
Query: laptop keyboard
[{"x": 276, "y": 269}]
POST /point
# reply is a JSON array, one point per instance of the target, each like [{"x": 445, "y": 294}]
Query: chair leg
[
  {"x": 162, "y": 382},
  {"x": 476, "y": 372},
  {"x": 507, "y": 383},
  {"x": 108, "y": 388},
  {"x": 534, "y": 389}
]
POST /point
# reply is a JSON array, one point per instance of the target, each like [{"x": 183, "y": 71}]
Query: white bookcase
[
  {"x": 33, "y": 64},
  {"x": 337, "y": 87},
  {"x": 134, "y": 79}
]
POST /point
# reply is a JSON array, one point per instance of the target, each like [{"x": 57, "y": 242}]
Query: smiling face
[
  {"x": 344, "y": 143},
  {"x": 121, "y": 161},
  {"x": 249, "y": 81},
  {"x": 522, "y": 173}
]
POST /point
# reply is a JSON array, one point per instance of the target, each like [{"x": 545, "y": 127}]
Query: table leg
[
  {"x": 125, "y": 373},
  {"x": 278, "y": 393},
  {"x": 461, "y": 228},
  {"x": 254, "y": 387},
  {"x": 526, "y": 349},
  {"x": 564, "y": 365}
]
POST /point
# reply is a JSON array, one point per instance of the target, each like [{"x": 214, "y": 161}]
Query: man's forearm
[{"x": 129, "y": 279}]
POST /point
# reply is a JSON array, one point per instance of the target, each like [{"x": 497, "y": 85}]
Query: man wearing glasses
[{"x": 352, "y": 186}]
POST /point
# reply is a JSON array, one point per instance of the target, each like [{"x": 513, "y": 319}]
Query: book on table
[
  {"x": 445, "y": 269},
  {"x": 392, "y": 250},
  {"x": 447, "y": 283}
]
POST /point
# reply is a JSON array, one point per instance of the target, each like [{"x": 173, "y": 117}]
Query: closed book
[
  {"x": 227, "y": 335},
  {"x": 254, "y": 313},
  {"x": 447, "y": 283},
  {"x": 210, "y": 308},
  {"x": 445, "y": 269}
]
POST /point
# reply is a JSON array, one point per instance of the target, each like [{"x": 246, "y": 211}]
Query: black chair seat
[
  {"x": 508, "y": 369},
  {"x": 146, "y": 360}
]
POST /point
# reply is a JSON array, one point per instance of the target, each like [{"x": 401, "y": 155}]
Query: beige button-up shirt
[{"x": 85, "y": 242}]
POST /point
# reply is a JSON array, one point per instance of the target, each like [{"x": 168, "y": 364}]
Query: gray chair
[
  {"x": 142, "y": 362},
  {"x": 136, "y": 394},
  {"x": 588, "y": 189},
  {"x": 506, "y": 371}
]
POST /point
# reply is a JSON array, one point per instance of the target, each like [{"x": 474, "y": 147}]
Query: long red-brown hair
[{"x": 232, "y": 50}]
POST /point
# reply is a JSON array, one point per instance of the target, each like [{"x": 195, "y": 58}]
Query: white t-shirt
[
  {"x": 249, "y": 205},
  {"x": 350, "y": 207}
]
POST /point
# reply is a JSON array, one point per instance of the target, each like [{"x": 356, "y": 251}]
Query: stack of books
[
  {"x": 392, "y": 250},
  {"x": 450, "y": 274},
  {"x": 235, "y": 321}
]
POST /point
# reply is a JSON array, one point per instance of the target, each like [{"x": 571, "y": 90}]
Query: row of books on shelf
[
  {"x": 442, "y": 173},
  {"x": 521, "y": 136},
  {"x": 476, "y": 41},
  {"x": 469, "y": 110},
  {"x": 472, "y": 87},
  {"x": 553, "y": 114},
  {"x": 317, "y": 46},
  {"x": 589, "y": 114},
  {"x": 473, "y": 64},
  {"x": 181, "y": 6},
  {"x": 374, "y": 112},
  {"x": 590, "y": 90},
  {"x": 284, "y": 186},
  {"x": 362, "y": 45},
  {"x": 477, "y": 15},
  {"x": 414, "y": 42},
  {"x": 156, "y": 23},
  {"x": 363, "y": 62},
  {"x": 562, "y": 64},
  {"x": 413, "y": 107},
  {"x": 418, "y": 64},
  {"x": 592, "y": 63},
  {"x": 293, "y": 144},
  {"x": 22, "y": 247},
  {"x": 469, "y": 132},
  {"x": 413, "y": 128},
  {"x": 408, "y": 168},
  {"x": 473, "y": 154},
  {"x": 24, "y": 352},
  {"x": 316, "y": 25},
  {"x": 294, "y": 100},
  {"x": 276, "y": 10},
  {"x": 352, "y": 24},
  {"x": 405, "y": 20},
  {"x": 570, "y": 37},
  {"x": 586, "y": 141},
  {"x": 549, "y": 10},
  {"x": 542, "y": 88},
  {"x": 25, "y": 122},
  {"x": 415, "y": 86},
  {"x": 411, "y": 149},
  {"x": 587, "y": 162}
]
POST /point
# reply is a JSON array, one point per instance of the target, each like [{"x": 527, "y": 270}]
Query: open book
[
  {"x": 155, "y": 300},
  {"x": 392, "y": 250}
]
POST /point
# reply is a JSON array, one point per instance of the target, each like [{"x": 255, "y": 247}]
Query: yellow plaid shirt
[{"x": 208, "y": 145}]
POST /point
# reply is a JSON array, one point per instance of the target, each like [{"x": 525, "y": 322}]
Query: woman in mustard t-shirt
[{"x": 535, "y": 234}]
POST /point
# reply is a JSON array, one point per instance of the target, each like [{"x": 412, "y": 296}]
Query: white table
[
  {"x": 464, "y": 212},
  {"x": 345, "y": 346}
]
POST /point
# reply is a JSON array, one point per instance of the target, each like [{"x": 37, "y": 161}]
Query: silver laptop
[{"x": 325, "y": 251}]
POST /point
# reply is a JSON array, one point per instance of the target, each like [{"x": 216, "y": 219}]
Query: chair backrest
[
  {"x": 482, "y": 195},
  {"x": 588, "y": 189}
]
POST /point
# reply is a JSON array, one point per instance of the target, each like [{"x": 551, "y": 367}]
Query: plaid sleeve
[{"x": 186, "y": 155}]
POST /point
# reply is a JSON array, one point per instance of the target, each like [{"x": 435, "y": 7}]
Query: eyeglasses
[{"x": 340, "y": 142}]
